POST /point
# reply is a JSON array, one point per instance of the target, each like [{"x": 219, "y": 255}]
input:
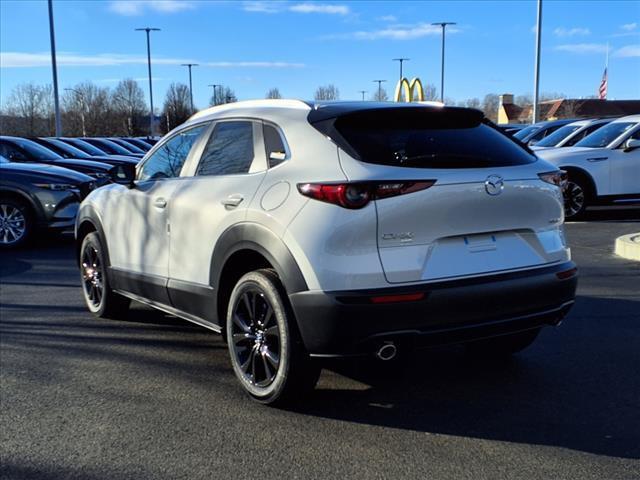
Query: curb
[{"x": 628, "y": 246}]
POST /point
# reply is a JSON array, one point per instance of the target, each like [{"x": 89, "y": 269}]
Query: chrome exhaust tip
[{"x": 387, "y": 352}]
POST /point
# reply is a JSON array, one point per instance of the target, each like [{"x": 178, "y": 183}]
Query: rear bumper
[{"x": 348, "y": 323}]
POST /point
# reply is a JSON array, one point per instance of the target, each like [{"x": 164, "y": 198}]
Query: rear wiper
[{"x": 440, "y": 156}]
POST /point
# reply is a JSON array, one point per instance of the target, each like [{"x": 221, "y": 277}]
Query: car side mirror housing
[
  {"x": 124, "y": 174},
  {"x": 631, "y": 144},
  {"x": 17, "y": 157}
]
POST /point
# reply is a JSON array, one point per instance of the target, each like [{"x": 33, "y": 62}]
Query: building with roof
[{"x": 509, "y": 112}]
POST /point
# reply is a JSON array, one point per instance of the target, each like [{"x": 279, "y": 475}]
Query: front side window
[
  {"x": 229, "y": 150},
  {"x": 605, "y": 135},
  {"x": 557, "y": 136},
  {"x": 167, "y": 161}
]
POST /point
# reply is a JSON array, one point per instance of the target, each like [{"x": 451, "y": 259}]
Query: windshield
[
  {"x": 556, "y": 137},
  {"x": 109, "y": 146},
  {"x": 85, "y": 146},
  {"x": 605, "y": 135},
  {"x": 69, "y": 151},
  {"x": 35, "y": 151},
  {"x": 525, "y": 132}
]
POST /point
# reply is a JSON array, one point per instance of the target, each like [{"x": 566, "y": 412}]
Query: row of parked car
[
  {"x": 600, "y": 155},
  {"x": 43, "y": 180}
]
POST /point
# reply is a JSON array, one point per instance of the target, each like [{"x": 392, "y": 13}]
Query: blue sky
[{"x": 296, "y": 46}]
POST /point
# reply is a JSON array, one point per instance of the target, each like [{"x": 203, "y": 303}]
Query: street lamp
[
  {"x": 362, "y": 92},
  {"x": 401, "y": 60},
  {"x": 444, "y": 26},
  {"x": 189, "y": 65},
  {"x": 379, "y": 89},
  {"x": 151, "y": 118},
  {"x": 82, "y": 103},
  {"x": 536, "y": 75},
  {"x": 215, "y": 93},
  {"x": 54, "y": 67}
]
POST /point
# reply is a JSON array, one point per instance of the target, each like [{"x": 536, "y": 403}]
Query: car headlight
[{"x": 56, "y": 186}]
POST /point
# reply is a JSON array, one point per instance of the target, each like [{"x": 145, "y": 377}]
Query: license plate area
[{"x": 480, "y": 243}]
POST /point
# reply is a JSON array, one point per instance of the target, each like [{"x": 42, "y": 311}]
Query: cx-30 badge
[{"x": 494, "y": 184}]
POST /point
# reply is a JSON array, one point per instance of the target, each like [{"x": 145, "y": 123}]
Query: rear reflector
[
  {"x": 567, "y": 273},
  {"x": 407, "y": 297}
]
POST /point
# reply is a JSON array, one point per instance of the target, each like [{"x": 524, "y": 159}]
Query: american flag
[{"x": 602, "y": 91}]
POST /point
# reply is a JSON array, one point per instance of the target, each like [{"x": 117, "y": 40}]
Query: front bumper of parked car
[{"x": 456, "y": 311}]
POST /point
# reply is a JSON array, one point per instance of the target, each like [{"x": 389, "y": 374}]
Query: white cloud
[
  {"x": 395, "y": 32},
  {"x": 388, "y": 18},
  {"x": 319, "y": 8},
  {"x": 262, "y": 6},
  {"x": 570, "y": 32},
  {"x": 139, "y": 7},
  {"x": 629, "y": 26},
  {"x": 628, "y": 51},
  {"x": 25, "y": 60},
  {"x": 582, "y": 48}
]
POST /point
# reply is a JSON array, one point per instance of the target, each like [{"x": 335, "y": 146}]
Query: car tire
[
  {"x": 16, "y": 223},
  {"x": 504, "y": 345},
  {"x": 266, "y": 350},
  {"x": 99, "y": 298},
  {"x": 577, "y": 195}
]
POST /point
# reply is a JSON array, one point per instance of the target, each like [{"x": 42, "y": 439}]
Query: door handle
[
  {"x": 597, "y": 159},
  {"x": 160, "y": 202},
  {"x": 232, "y": 201}
]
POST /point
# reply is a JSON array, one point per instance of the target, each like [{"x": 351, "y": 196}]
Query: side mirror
[
  {"x": 124, "y": 174},
  {"x": 631, "y": 144},
  {"x": 532, "y": 142}
]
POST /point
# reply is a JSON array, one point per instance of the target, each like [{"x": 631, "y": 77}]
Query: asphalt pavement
[{"x": 155, "y": 397}]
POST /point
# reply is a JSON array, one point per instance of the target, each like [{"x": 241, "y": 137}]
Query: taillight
[
  {"x": 558, "y": 178},
  {"x": 359, "y": 194}
]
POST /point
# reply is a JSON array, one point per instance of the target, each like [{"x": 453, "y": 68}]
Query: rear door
[
  {"x": 485, "y": 212},
  {"x": 221, "y": 184}
]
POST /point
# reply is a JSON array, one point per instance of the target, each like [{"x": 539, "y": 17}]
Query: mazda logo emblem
[{"x": 494, "y": 184}]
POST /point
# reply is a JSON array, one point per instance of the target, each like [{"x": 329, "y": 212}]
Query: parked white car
[
  {"x": 569, "y": 135},
  {"x": 303, "y": 231},
  {"x": 603, "y": 168}
]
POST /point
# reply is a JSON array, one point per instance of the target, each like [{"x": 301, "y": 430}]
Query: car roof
[{"x": 628, "y": 118}]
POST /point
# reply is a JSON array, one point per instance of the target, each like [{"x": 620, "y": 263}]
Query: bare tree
[
  {"x": 490, "y": 106},
  {"x": 328, "y": 92},
  {"x": 273, "y": 93},
  {"x": 222, "y": 95},
  {"x": 94, "y": 103},
  {"x": 177, "y": 105},
  {"x": 431, "y": 92},
  {"x": 129, "y": 106},
  {"x": 473, "y": 103},
  {"x": 380, "y": 95},
  {"x": 28, "y": 110}
]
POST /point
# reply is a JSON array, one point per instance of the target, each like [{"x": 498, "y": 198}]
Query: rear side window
[
  {"x": 168, "y": 159},
  {"x": 430, "y": 140},
  {"x": 229, "y": 150},
  {"x": 274, "y": 146}
]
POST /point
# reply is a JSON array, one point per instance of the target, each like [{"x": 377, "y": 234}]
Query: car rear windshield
[{"x": 447, "y": 138}]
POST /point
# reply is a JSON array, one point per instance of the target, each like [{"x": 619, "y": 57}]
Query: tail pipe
[{"x": 387, "y": 351}]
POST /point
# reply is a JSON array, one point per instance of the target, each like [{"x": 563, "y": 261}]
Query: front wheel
[
  {"x": 576, "y": 196},
  {"x": 266, "y": 351},
  {"x": 16, "y": 223}
]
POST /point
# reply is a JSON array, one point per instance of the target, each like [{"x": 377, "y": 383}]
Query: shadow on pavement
[{"x": 570, "y": 389}]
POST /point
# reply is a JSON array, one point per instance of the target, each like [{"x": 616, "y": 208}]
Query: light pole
[
  {"x": 82, "y": 103},
  {"x": 379, "y": 89},
  {"x": 189, "y": 65},
  {"x": 362, "y": 92},
  {"x": 215, "y": 93},
  {"x": 401, "y": 60},
  {"x": 54, "y": 67},
  {"x": 151, "y": 117},
  {"x": 536, "y": 75},
  {"x": 444, "y": 26}
]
